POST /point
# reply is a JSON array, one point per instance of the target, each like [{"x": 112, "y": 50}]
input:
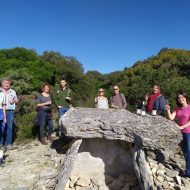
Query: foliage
[{"x": 170, "y": 68}]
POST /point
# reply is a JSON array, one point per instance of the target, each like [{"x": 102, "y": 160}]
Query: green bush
[{"x": 25, "y": 126}]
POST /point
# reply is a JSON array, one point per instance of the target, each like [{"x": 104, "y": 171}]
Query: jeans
[
  {"x": 45, "y": 120},
  {"x": 186, "y": 151},
  {"x": 8, "y": 132},
  {"x": 62, "y": 111}
]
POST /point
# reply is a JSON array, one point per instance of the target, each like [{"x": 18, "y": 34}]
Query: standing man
[
  {"x": 117, "y": 100},
  {"x": 62, "y": 97},
  {"x": 10, "y": 101}
]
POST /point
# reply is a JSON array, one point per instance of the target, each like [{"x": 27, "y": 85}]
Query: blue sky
[{"x": 104, "y": 35}]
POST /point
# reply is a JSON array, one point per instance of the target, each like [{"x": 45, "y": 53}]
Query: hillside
[{"x": 28, "y": 70}]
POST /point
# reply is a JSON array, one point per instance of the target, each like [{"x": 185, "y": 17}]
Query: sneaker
[{"x": 43, "y": 141}]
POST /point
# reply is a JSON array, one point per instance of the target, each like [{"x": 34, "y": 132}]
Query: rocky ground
[
  {"x": 32, "y": 165},
  {"x": 166, "y": 166}
]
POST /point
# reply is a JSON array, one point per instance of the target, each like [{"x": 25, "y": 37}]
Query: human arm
[
  {"x": 170, "y": 115},
  {"x": 41, "y": 103},
  {"x": 12, "y": 97},
  {"x": 4, "y": 114},
  {"x": 124, "y": 102}
]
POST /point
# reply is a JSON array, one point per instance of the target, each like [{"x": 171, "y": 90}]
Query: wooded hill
[{"x": 28, "y": 70}]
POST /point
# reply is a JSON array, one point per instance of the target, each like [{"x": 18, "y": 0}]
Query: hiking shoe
[
  {"x": 50, "y": 138},
  {"x": 43, "y": 141}
]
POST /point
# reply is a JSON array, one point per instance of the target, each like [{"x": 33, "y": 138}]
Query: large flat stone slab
[{"x": 152, "y": 131}]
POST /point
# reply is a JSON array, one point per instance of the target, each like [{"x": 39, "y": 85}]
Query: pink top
[{"x": 183, "y": 116}]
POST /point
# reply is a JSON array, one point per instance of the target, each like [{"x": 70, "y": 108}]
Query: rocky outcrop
[
  {"x": 151, "y": 131},
  {"x": 30, "y": 166},
  {"x": 152, "y": 143}
]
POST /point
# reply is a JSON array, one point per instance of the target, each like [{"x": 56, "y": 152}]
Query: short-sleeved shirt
[
  {"x": 43, "y": 99},
  {"x": 183, "y": 116},
  {"x": 10, "y": 95}
]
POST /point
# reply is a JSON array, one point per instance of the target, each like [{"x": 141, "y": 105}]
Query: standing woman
[
  {"x": 45, "y": 113},
  {"x": 182, "y": 114},
  {"x": 101, "y": 101}
]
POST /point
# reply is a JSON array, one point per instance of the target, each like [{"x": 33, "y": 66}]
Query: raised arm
[{"x": 170, "y": 115}]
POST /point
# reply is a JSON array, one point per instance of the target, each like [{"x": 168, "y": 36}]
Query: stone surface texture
[{"x": 150, "y": 131}]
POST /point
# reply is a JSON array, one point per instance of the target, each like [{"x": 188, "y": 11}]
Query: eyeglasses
[
  {"x": 101, "y": 91},
  {"x": 115, "y": 89}
]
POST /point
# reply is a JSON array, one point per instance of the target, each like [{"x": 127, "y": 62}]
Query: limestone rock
[{"x": 157, "y": 132}]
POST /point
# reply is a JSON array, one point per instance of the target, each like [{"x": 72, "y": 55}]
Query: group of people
[
  {"x": 158, "y": 103},
  {"x": 61, "y": 95},
  {"x": 117, "y": 100}
]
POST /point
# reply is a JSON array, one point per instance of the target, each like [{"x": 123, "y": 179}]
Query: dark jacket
[{"x": 159, "y": 105}]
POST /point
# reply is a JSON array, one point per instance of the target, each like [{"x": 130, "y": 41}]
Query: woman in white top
[{"x": 101, "y": 101}]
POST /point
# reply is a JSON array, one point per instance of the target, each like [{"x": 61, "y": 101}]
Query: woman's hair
[
  {"x": 43, "y": 86},
  {"x": 184, "y": 95}
]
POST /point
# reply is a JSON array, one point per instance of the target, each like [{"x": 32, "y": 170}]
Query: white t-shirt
[{"x": 101, "y": 103}]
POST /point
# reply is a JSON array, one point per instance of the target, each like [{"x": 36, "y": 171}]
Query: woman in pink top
[{"x": 182, "y": 114}]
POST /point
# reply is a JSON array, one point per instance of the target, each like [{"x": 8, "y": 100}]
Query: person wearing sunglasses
[
  {"x": 101, "y": 101},
  {"x": 118, "y": 100}
]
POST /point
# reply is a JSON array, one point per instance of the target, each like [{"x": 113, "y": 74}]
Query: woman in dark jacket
[{"x": 156, "y": 101}]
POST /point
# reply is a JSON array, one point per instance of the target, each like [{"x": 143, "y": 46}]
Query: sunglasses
[
  {"x": 101, "y": 91},
  {"x": 115, "y": 89}
]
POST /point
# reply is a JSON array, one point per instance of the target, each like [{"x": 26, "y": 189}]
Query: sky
[{"x": 103, "y": 35}]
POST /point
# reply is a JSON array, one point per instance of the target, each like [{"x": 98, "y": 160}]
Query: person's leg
[
  {"x": 1, "y": 134},
  {"x": 50, "y": 126},
  {"x": 186, "y": 139},
  {"x": 62, "y": 111},
  {"x": 9, "y": 127},
  {"x": 42, "y": 123}
]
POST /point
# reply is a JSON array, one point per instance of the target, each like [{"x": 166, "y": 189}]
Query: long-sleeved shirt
[{"x": 118, "y": 100}]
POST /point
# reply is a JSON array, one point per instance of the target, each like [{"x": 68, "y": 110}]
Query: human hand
[
  {"x": 5, "y": 120},
  {"x": 68, "y": 98},
  {"x": 180, "y": 127},
  {"x": 167, "y": 107}
]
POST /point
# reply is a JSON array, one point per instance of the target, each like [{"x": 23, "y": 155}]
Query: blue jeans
[
  {"x": 8, "y": 132},
  {"x": 186, "y": 151},
  {"x": 62, "y": 111}
]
